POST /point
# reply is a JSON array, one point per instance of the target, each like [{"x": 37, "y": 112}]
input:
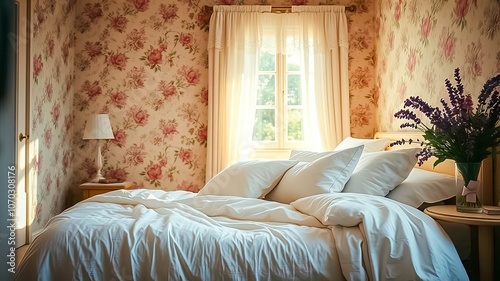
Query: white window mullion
[{"x": 281, "y": 122}]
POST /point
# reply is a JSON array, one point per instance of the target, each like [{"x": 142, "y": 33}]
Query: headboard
[{"x": 491, "y": 191}]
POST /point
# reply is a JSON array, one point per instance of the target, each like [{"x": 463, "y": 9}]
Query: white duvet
[{"x": 157, "y": 235}]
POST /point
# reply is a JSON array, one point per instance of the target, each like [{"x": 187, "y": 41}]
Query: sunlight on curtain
[
  {"x": 318, "y": 33},
  {"x": 323, "y": 35},
  {"x": 232, "y": 57}
]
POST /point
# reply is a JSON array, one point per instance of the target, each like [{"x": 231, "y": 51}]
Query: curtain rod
[{"x": 288, "y": 9}]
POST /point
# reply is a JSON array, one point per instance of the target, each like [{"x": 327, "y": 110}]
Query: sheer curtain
[
  {"x": 235, "y": 33},
  {"x": 318, "y": 33},
  {"x": 324, "y": 45}
]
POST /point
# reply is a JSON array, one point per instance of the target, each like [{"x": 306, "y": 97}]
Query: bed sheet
[{"x": 158, "y": 235}]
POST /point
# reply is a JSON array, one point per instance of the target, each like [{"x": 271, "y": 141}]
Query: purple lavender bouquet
[{"x": 457, "y": 131}]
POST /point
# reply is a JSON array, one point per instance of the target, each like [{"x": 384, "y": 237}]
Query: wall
[
  {"x": 51, "y": 103},
  {"x": 420, "y": 43},
  {"x": 145, "y": 64}
]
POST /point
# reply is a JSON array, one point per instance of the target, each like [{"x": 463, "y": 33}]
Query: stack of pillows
[{"x": 355, "y": 166}]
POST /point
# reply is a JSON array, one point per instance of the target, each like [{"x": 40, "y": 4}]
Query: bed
[{"x": 255, "y": 221}]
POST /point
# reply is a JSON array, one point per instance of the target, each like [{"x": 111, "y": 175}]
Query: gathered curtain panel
[{"x": 317, "y": 33}]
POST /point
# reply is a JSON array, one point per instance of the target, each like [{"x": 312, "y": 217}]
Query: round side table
[{"x": 481, "y": 234}]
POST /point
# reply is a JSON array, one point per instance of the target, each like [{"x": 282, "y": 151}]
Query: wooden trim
[
  {"x": 495, "y": 159},
  {"x": 90, "y": 189},
  {"x": 21, "y": 42},
  {"x": 29, "y": 152},
  {"x": 92, "y": 185},
  {"x": 288, "y": 9}
]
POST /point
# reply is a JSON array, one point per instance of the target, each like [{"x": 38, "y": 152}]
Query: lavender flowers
[{"x": 457, "y": 131}]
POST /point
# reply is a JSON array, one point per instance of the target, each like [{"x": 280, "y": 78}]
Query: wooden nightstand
[
  {"x": 91, "y": 188},
  {"x": 481, "y": 235}
]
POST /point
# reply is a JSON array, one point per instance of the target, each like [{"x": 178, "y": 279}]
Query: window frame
[{"x": 281, "y": 106}]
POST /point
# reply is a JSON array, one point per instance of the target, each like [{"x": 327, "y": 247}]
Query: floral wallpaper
[
  {"x": 420, "y": 43},
  {"x": 51, "y": 104},
  {"x": 145, "y": 63}
]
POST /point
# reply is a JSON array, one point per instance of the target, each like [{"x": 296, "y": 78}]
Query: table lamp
[{"x": 98, "y": 127}]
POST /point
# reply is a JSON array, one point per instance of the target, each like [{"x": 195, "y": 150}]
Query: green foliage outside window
[{"x": 266, "y": 114}]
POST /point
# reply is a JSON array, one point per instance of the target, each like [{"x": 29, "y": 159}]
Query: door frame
[{"x": 23, "y": 51}]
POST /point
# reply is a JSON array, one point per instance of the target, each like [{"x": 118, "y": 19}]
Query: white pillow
[
  {"x": 423, "y": 186},
  {"x": 371, "y": 145},
  {"x": 308, "y": 156},
  {"x": 325, "y": 174},
  {"x": 377, "y": 173},
  {"x": 252, "y": 178}
]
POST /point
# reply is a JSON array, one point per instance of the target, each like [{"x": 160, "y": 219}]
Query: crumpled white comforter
[{"x": 177, "y": 235}]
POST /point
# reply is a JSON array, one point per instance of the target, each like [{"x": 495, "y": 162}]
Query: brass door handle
[{"x": 22, "y": 137}]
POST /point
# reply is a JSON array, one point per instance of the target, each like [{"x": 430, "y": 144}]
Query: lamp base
[
  {"x": 96, "y": 178},
  {"x": 98, "y": 175}
]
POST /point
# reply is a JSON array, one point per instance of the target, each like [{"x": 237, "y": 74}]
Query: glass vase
[{"x": 468, "y": 187}]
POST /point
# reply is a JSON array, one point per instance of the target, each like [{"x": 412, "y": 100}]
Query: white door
[{"x": 21, "y": 42}]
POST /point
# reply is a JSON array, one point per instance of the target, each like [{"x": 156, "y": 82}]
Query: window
[
  {"x": 261, "y": 99},
  {"x": 280, "y": 106}
]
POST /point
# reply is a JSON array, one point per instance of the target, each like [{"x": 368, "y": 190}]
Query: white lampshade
[{"x": 98, "y": 128}]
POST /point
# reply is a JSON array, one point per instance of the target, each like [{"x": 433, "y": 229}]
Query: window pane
[
  {"x": 294, "y": 95},
  {"x": 295, "y": 125},
  {"x": 267, "y": 89},
  {"x": 267, "y": 61},
  {"x": 292, "y": 62},
  {"x": 264, "y": 128}
]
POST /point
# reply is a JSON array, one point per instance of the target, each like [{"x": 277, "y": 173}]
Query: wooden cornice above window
[{"x": 288, "y": 9}]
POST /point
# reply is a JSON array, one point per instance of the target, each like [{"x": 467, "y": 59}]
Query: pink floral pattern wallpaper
[
  {"x": 420, "y": 43},
  {"x": 51, "y": 103},
  {"x": 145, "y": 64}
]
